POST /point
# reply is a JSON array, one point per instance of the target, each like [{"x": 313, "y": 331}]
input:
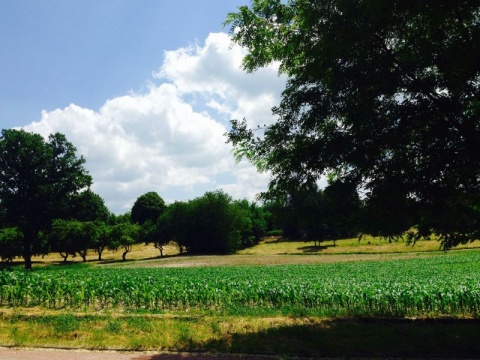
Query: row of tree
[
  {"x": 46, "y": 205},
  {"x": 210, "y": 224}
]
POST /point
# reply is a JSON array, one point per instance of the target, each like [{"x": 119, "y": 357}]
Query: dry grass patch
[
  {"x": 368, "y": 245},
  {"x": 262, "y": 260},
  {"x": 139, "y": 251},
  {"x": 275, "y": 251},
  {"x": 270, "y": 251}
]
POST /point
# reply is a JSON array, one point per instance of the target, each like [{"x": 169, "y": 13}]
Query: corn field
[{"x": 441, "y": 285}]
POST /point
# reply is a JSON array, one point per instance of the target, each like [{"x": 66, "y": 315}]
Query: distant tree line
[
  {"x": 46, "y": 205},
  {"x": 210, "y": 224}
]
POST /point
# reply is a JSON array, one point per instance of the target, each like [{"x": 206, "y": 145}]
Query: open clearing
[
  {"x": 270, "y": 251},
  {"x": 118, "y": 305}
]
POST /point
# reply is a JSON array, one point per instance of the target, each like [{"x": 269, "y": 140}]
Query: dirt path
[{"x": 55, "y": 354}]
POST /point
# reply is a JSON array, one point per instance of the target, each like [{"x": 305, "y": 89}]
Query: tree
[
  {"x": 146, "y": 212},
  {"x": 124, "y": 235},
  {"x": 253, "y": 224},
  {"x": 10, "y": 243},
  {"x": 71, "y": 237},
  {"x": 88, "y": 206},
  {"x": 216, "y": 224},
  {"x": 381, "y": 95},
  {"x": 149, "y": 206},
  {"x": 342, "y": 208},
  {"x": 102, "y": 239},
  {"x": 176, "y": 223},
  {"x": 157, "y": 233},
  {"x": 210, "y": 224},
  {"x": 303, "y": 215},
  {"x": 37, "y": 180},
  {"x": 61, "y": 239}
]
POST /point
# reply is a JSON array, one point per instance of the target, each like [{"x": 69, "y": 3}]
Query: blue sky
[
  {"x": 143, "y": 88},
  {"x": 57, "y": 52}
]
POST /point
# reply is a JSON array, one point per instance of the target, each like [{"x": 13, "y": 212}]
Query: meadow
[{"x": 191, "y": 303}]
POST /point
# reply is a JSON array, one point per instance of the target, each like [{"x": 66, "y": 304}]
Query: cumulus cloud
[{"x": 170, "y": 139}]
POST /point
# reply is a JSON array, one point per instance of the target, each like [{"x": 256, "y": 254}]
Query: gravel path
[{"x": 55, "y": 354}]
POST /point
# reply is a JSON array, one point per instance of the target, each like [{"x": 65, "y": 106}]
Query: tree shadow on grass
[
  {"x": 314, "y": 249},
  {"x": 140, "y": 260},
  {"x": 366, "y": 337}
]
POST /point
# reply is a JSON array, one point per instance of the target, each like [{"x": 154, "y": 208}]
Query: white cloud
[{"x": 171, "y": 138}]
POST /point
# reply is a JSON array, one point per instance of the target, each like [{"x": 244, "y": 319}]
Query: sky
[{"x": 144, "y": 89}]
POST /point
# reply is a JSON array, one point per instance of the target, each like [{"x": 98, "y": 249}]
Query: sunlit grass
[
  {"x": 367, "y": 245},
  {"x": 369, "y": 267},
  {"x": 280, "y": 335}
]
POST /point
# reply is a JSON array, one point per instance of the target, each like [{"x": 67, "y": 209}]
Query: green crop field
[
  {"x": 447, "y": 284},
  {"x": 422, "y": 305}
]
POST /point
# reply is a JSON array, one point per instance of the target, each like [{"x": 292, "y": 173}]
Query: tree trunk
[
  {"x": 83, "y": 255},
  {"x": 27, "y": 254},
  {"x": 100, "y": 251},
  {"x": 127, "y": 249},
  {"x": 27, "y": 250},
  {"x": 28, "y": 260},
  {"x": 159, "y": 247}
]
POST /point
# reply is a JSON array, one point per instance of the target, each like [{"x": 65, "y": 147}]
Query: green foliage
[
  {"x": 124, "y": 235},
  {"x": 71, "y": 237},
  {"x": 149, "y": 206},
  {"x": 435, "y": 286},
  {"x": 146, "y": 212},
  {"x": 175, "y": 224},
  {"x": 102, "y": 238},
  {"x": 253, "y": 222},
  {"x": 315, "y": 215},
  {"x": 156, "y": 233},
  {"x": 212, "y": 224},
  {"x": 10, "y": 243},
  {"x": 380, "y": 95},
  {"x": 88, "y": 206},
  {"x": 37, "y": 181}
]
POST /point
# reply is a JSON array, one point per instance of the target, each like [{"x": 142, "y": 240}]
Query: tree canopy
[
  {"x": 38, "y": 178},
  {"x": 211, "y": 224},
  {"x": 382, "y": 95},
  {"x": 88, "y": 206},
  {"x": 149, "y": 206}
]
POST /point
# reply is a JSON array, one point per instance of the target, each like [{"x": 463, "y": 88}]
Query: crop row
[{"x": 448, "y": 284}]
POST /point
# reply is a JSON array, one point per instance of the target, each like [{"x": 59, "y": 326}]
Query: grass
[
  {"x": 308, "y": 337},
  {"x": 368, "y": 245},
  {"x": 270, "y": 251},
  {"x": 289, "y": 331}
]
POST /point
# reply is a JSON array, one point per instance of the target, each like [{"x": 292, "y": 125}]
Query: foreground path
[{"x": 55, "y": 354}]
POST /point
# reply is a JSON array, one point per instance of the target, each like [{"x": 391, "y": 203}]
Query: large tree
[
  {"x": 89, "y": 206},
  {"x": 210, "y": 224},
  {"x": 383, "y": 95},
  {"x": 146, "y": 212},
  {"x": 72, "y": 237},
  {"x": 37, "y": 180},
  {"x": 149, "y": 206}
]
